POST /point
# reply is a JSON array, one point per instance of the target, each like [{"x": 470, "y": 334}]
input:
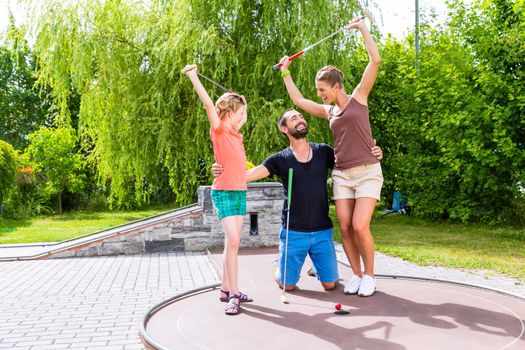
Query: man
[{"x": 310, "y": 228}]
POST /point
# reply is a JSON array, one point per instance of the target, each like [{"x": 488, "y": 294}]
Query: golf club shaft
[
  {"x": 215, "y": 83},
  {"x": 300, "y": 53},
  {"x": 290, "y": 178}
]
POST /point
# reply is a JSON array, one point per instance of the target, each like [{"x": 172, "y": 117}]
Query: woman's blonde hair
[
  {"x": 228, "y": 102},
  {"x": 330, "y": 75}
]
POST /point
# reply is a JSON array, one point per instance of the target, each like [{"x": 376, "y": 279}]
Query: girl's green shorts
[{"x": 229, "y": 203}]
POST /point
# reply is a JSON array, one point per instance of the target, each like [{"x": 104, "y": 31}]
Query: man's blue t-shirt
[{"x": 310, "y": 205}]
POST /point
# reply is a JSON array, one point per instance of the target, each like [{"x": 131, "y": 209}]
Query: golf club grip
[
  {"x": 290, "y": 179},
  {"x": 291, "y": 58}
]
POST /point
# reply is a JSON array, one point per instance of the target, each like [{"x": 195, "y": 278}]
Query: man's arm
[{"x": 257, "y": 173}]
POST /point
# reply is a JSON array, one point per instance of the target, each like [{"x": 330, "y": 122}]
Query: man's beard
[{"x": 299, "y": 134}]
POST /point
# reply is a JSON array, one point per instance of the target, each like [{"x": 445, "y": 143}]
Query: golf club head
[{"x": 283, "y": 299}]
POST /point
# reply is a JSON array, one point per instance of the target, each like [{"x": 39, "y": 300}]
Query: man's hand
[
  {"x": 377, "y": 151},
  {"x": 216, "y": 169}
]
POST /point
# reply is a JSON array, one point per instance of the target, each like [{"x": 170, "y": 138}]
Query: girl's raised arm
[{"x": 191, "y": 71}]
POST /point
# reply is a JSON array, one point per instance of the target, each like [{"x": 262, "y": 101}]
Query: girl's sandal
[
  {"x": 225, "y": 296},
  {"x": 244, "y": 298},
  {"x": 234, "y": 305}
]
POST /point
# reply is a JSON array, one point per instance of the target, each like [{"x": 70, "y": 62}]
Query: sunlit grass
[
  {"x": 475, "y": 247},
  {"x": 501, "y": 250},
  {"x": 59, "y": 227}
]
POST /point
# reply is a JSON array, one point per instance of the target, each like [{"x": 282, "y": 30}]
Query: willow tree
[{"x": 139, "y": 120}]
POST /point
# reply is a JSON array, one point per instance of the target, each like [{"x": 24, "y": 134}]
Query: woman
[{"x": 357, "y": 173}]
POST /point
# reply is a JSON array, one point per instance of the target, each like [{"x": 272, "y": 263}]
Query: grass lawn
[
  {"x": 478, "y": 247},
  {"x": 59, "y": 227}
]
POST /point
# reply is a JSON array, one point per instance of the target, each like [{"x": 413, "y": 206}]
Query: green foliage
[
  {"x": 453, "y": 131},
  {"x": 455, "y": 128},
  {"x": 22, "y": 108},
  {"x": 8, "y": 158},
  {"x": 140, "y": 121},
  {"x": 24, "y": 200},
  {"x": 60, "y": 167}
]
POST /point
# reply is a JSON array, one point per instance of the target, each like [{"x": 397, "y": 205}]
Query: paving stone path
[{"x": 90, "y": 303}]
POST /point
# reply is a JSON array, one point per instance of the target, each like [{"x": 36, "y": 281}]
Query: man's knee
[
  {"x": 276, "y": 279},
  {"x": 289, "y": 288},
  {"x": 328, "y": 285}
]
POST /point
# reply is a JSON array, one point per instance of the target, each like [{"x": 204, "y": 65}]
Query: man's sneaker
[
  {"x": 353, "y": 285},
  {"x": 368, "y": 286}
]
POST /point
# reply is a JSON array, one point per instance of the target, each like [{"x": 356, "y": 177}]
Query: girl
[
  {"x": 357, "y": 173},
  {"x": 229, "y": 189}
]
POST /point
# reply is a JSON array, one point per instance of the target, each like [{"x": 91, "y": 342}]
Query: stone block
[
  {"x": 148, "y": 235},
  {"x": 63, "y": 254},
  {"x": 109, "y": 248},
  {"x": 189, "y": 229},
  {"x": 203, "y": 243},
  {"x": 192, "y": 234},
  {"x": 259, "y": 206},
  {"x": 160, "y": 234},
  {"x": 92, "y": 250},
  {"x": 198, "y": 220},
  {"x": 161, "y": 225},
  {"x": 133, "y": 237},
  {"x": 171, "y": 245}
]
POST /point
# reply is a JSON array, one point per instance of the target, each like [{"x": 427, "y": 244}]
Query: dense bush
[
  {"x": 54, "y": 158},
  {"x": 8, "y": 158}
]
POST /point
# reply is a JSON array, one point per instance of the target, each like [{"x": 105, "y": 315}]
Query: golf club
[
  {"x": 367, "y": 14},
  {"x": 216, "y": 84},
  {"x": 194, "y": 66},
  {"x": 290, "y": 178}
]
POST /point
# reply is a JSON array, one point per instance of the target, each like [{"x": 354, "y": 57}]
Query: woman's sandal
[
  {"x": 234, "y": 305},
  {"x": 225, "y": 297}
]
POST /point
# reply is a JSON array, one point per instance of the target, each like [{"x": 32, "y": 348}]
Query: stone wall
[
  {"x": 265, "y": 200},
  {"x": 195, "y": 228}
]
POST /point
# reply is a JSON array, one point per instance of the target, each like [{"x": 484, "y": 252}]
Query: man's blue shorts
[{"x": 319, "y": 245}]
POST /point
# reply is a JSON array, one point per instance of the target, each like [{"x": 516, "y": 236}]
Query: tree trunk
[{"x": 60, "y": 202}]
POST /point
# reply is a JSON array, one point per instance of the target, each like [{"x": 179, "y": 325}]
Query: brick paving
[
  {"x": 90, "y": 303},
  {"x": 99, "y": 302}
]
